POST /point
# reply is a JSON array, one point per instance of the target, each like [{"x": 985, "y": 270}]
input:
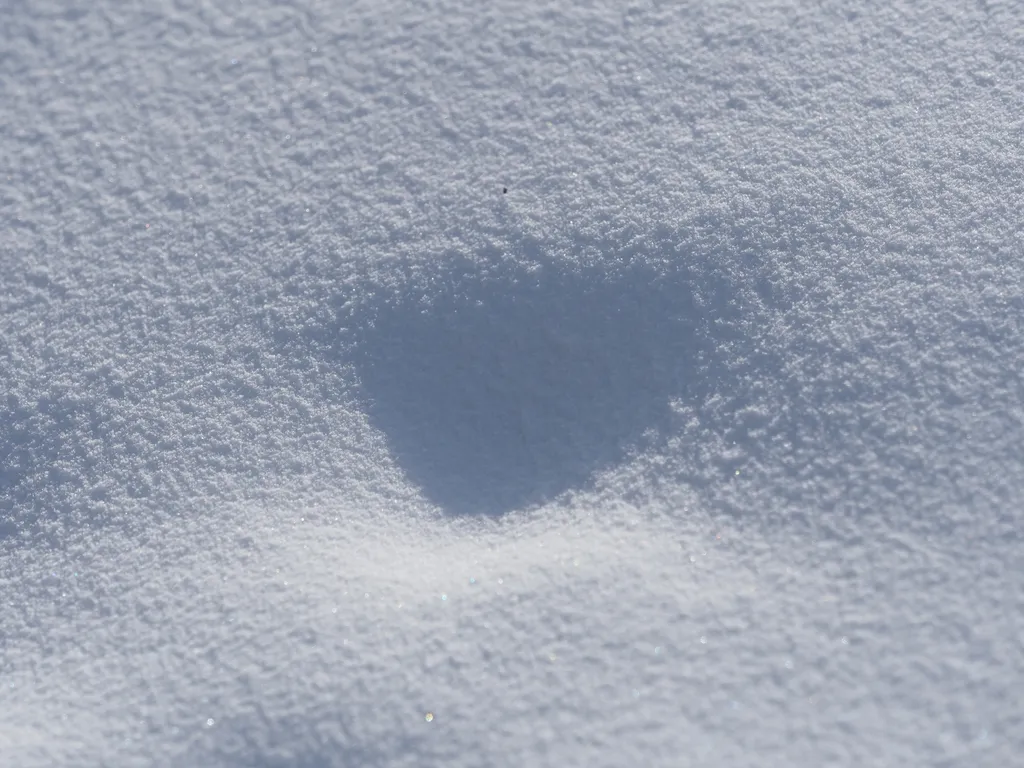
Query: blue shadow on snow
[{"x": 502, "y": 387}]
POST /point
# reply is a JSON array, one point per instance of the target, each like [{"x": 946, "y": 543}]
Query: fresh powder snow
[{"x": 536, "y": 383}]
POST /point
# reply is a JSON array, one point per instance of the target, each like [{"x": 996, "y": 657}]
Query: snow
[{"x": 699, "y": 446}]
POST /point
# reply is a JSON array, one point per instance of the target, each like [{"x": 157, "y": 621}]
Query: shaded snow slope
[{"x": 700, "y": 445}]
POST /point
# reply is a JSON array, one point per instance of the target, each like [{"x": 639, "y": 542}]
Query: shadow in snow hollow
[{"x": 502, "y": 387}]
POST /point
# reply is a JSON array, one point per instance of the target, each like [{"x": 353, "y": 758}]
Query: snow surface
[{"x": 703, "y": 445}]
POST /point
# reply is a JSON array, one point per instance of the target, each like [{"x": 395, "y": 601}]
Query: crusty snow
[{"x": 702, "y": 445}]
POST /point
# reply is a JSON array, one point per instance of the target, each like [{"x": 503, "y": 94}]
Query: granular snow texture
[{"x": 502, "y": 383}]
